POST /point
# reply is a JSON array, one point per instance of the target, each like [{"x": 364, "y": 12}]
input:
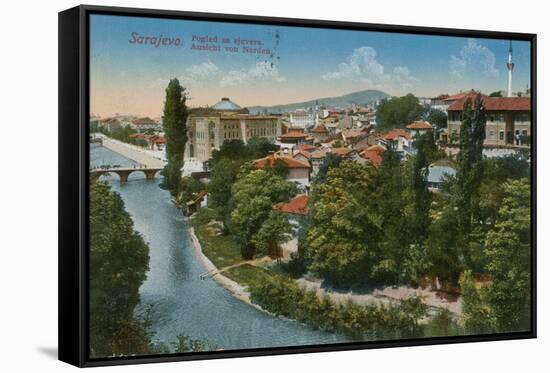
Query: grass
[
  {"x": 247, "y": 275},
  {"x": 222, "y": 250}
]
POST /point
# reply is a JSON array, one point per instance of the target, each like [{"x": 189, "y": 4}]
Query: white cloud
[
  {"x": 195, "y": 74},
  {"x": 209, "y": 72},
  {"x": 473, "y": 58},
  {"x": 261, "y": 71},
  {"x": 363, "y": 66}
]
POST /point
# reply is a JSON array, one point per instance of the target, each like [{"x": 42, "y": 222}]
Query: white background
[{"x": 28, "y": 185}]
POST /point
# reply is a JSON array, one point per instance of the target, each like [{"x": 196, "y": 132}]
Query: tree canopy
[
  {"x": 398, "y": 112},
  {"x": 119, "y": 261},
  {"x": 174, "y": 121},
  {"x": 253, "y": 196}
]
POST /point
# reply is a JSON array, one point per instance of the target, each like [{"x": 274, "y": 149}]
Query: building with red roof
[
  {"x": 298, "y": 170},
  {"x": 296, "y": 206},
  {"x": 419, "y": 127},
  {"x": 399, "y": 140},
  {"x": 373, "y": 155},
  {"x": 320, "y": 133},
  {"x": 508, "y": 119}
]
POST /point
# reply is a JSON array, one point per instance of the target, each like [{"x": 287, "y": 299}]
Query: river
[{"x": 183, "y": 303}]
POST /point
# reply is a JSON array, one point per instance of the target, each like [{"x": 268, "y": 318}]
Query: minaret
[{"x": 510, "y": 66}]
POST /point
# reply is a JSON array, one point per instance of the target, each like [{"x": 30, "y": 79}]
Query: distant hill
[{"x": 365, "y": 97}]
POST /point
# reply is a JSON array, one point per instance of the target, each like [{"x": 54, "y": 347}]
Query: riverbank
[
  {"x": 387, "y": 296},
  {"x": 236, "y": 289},
  {"x": 135, "y": 153}
]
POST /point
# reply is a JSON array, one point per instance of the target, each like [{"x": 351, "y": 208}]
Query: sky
[{"x": 132, "y": 60}]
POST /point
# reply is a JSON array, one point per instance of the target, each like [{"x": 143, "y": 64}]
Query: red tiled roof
[
  {"x": 293, "y": 135},
  {"x": 158, "y": 140},
  {"x": 373, "y": 155},
  {"x": 342, "y": 152},
  {"x": 396, "y": 133},
  {"x": 420, "y": 125},
  {"x": 302, "y": 152},
  {"x": 460, "y": 95},
  {"x": 495, "y": 103},
  {"x": 320, "y": 129},
  {"x": 297, "y": 205},
  {"x": 306, "y": 147},
  {"x": 270, "y": 160},
  {"x": 320, "y": 153}
]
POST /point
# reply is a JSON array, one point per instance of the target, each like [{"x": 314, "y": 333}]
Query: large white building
[
  {"x": 302, "y": 118},
  {"x": 208, "y": 128}
]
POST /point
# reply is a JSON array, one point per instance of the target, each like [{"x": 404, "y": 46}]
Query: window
[
  {"x": 524, "y": 132},
  {"x": 491, "y": 134},
  {"x": 501, "y": 135}
]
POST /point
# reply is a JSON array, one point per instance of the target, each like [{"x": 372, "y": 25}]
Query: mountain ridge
[{"x": 363, "y": 97}]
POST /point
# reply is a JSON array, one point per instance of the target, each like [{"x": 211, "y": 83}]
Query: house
[
  {"x": 317, "y": 157},
  {"x": 320, "y": 133},
  {"x": 297, "y": 206},
  {"x": 399, "y": 140},
  {"x": 345, "y": 122},
  {"x": 508, "y": 120},
  {"x": 199, "y": 200},
  {"x": 366, "y": 142},
  {"x": 296, "y": 210},
  {"x": 301, "y": 155},
  {"x": 419, "y": 127},
  {"x": 437, "y": 175},
  {"x": 293, "y": 138},
  {"x": 306, "y": 147},
  {"x": 298, "y": 170},
  {"x": 144, "y": 124},
  {"x": 110, "y": 124},
  {"x": 343, "y": 152},
  {"x": 301, "y": 118},
  {"x": 373, "y": 155},
  {"x": 353, "y": 136}
]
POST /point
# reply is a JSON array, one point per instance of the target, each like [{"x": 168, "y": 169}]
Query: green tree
[
  {"x": 259, "y": 147},
  {"x": 470, "y": 171},
  {"x": 188, "y": 188},
  {"x": 342, "y": 235},
  {"x": 437, "y": 118},
  {"x": 223, "y": 174},
  {"x": 330, "y": 161},
  {"x": 496, "y": 94},
  {"x": 426, "y": 150},
  {"x": 504, "y": 304},
  {"x": 508, "y": 248},
  {"x": 253, "y": 196},
  {"x": 119, "y": 261},
  {"x": 397, "y": 112},
  {"x": 231, "y": 149},
  {"x": 174, "y": 122},
  {"x": 274, "y": 232}
]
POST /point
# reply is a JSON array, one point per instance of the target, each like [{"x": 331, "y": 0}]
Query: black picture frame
[{"x": 74, "y": 110}]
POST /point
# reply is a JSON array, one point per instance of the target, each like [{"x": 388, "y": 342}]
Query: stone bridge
[{"x": 124, "y": 172}]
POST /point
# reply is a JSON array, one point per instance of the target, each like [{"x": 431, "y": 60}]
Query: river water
[{"x": 183, "y": 304}]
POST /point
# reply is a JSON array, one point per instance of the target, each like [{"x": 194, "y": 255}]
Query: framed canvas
[{"x": 235, "y": 186}]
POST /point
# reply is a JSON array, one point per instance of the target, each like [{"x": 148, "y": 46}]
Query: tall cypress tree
[
  {"x": 174, "y": 121},
  {"x": 470, "y": 172},
  {"x": 426, "y": 148}
]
